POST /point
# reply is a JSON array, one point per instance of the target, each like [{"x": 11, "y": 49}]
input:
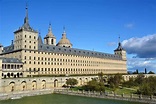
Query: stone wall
[{"x": 38, "y": 83}]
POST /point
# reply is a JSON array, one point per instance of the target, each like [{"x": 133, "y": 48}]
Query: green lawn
[{"x": 119, "y": 91}]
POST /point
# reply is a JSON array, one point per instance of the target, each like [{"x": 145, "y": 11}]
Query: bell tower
[
  {"x": 26, "y": 37},
  {"x": 120, "y": 51},
  {"x": 50, "y": 38}
]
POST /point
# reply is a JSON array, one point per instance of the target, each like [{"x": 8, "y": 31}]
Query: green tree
[
  {"x": 145, "y": 89},
  {"x": 136, "y": 72},
  {"x": 139, "y": 79},
  {"x": 94, "y": 85},
  {"x": 129, "y": 83},
  {"x": 145, "y": 71},
  {"x": 150, "y": 72},
  {"x": 71, "y": 82},
  {"x": 100, "y": 75},
  {"x": 115, "y": 81},
  {"x": 148, "y": 86}
]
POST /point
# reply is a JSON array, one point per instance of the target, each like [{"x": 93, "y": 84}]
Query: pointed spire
[
  {"x": 26, "y": 10},
  {"x": 40, "y": 39},
  {"x": 26, "y": 25},
  {"x": 119, "y": 39},
  {"x": 26, "y": 16},
  {"x": 119, "y": 45},
  {"x": 12, "y": 42},
  {"x": 64, "y": 32},
  {"x": 49, "y": 29}
]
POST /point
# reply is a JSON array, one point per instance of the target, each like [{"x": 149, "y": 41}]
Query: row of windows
[
  {"x": 30, "y": 47},
  {"x": 59, "y": 54},
  {"x": 25, "y": 46},
  {"x": 30, "y": 42},
  {"x": 75, "y": 64},
  {"x": 70, "y": 69},
  {"x": 8, "y": 66},
  {"x": 20, "y": 37},
  {"x": 62, "y": 60},
  {"x": 30, "y": 37}
]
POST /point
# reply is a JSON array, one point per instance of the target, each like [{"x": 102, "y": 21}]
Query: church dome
[{"x": 64, "y": 42}]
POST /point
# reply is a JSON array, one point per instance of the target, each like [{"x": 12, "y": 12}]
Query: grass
[
  {"x": 119, "y": 91},
  {"x": 125, "y": 91}
]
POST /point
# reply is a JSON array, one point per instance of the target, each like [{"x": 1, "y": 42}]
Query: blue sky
[{"x": 90, "y": 24}]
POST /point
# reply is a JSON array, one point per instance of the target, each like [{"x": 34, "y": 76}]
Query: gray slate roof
[
  {"x": 74, "y": 51},
  {"x": 8, "y": 49},
  {"x": 70, "y": 51},
  {"x": 10, "y": 60}
]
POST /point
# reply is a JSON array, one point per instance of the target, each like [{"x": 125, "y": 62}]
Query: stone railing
[
  {"x": 132, "y": 97},
  {"x": 20, "y": 94}
]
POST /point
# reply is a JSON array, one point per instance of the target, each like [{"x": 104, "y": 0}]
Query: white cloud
[
  {"x": 129, "y": 25},
  {"x": 111, "y": 44},
  {"x": 141, "y": 64},
  {"x": 144, "y": 47}
]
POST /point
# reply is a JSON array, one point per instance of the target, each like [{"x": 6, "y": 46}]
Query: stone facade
[{"x": 48, "y": 58}]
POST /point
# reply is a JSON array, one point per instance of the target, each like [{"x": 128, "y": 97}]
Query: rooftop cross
[
  {"x": 119, "y": 38},
  {"x": 64, "y": 29},
  {"x": 49, "y": 30}
]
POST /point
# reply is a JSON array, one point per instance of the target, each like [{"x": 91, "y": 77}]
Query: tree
[
  {"x": 136, "y": 72},
  {"x": 94, "y": 85},
  {"x": 150, "y": 72},
  {"x": 71, "y": 82},
  {"x": 115, "y": 81},
  {"x": 139, "y": 79},
  {"x": 147, "y": 87},
  {"x": 129, "y": 83},
  {"x": 100, "y": 75},
  {"x": 145, "y": 71}
]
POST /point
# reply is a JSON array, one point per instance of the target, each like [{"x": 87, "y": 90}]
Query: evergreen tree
[{"x": 145, "y": 71}]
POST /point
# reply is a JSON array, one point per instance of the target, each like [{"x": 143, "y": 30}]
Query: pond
[{"x": 63, "y": 99}]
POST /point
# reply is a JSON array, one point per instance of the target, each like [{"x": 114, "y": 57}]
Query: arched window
[
  {"x": 47, "y": 40},
  {"x": 52, "y": 41}
]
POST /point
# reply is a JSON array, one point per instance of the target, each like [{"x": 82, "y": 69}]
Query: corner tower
[
  {"x": 26, "y": 37},
  {"x": 50, "y": 38},
  {"x": 120, "y": 51}
]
